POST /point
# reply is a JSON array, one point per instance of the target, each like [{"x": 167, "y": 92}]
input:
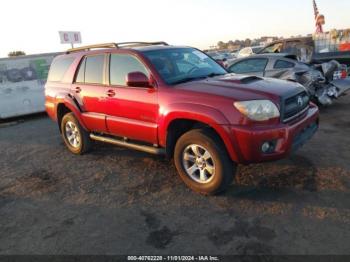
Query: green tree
[
  {"x": 247, "y": 42},
  {"x": 16, "y": 53},
  {"x": 221, "y": 45},
  {"x": 231, "y": 42}
]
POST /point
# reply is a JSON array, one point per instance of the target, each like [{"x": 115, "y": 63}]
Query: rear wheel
[
  {"x": 203, "y": 163},
  {"x": 74, "y": 135}
]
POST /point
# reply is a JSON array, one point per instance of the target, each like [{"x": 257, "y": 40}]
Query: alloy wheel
[
  {"x": 198, "y": 163},
  {"x": 72, "y": 134}
]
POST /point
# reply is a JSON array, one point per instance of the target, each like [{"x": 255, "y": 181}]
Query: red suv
[{"x": 179, "y": 102}]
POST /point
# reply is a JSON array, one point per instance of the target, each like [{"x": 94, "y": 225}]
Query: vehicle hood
[{"x": 241, "y": 87}]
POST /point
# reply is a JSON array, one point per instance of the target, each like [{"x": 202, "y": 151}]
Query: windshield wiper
[
  {"x": 189, "y": 79},
  {"x": 215, "y": 74}
]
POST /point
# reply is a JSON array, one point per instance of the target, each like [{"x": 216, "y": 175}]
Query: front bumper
[{"x": 285, "y": 138}]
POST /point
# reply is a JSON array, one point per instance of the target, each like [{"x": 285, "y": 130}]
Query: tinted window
[
  {"x": 94, "y": 69},
  {"x": 249, "y": 66},
  {"x": 80, "y": 78},
  {"x": 280, "y": 64},
  {"x": 58, "y": 68},
  {"x": 121, "y": 65}
]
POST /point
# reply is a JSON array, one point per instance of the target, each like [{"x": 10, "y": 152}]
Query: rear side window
[
  {"x": 59, "y": 68},
  {"x": 281, "y": 64},
  {"x": 121, "y": 65},
  {"x": 91, "y": 70},
  {"x": 249, "y": 66}
]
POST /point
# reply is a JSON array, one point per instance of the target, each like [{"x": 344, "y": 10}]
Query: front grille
[{"x": 294, "y": 106}]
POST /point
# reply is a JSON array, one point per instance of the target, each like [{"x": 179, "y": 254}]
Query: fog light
[
  {"x": 268, "y": 147},
  {"x": 265, "y": 147}
]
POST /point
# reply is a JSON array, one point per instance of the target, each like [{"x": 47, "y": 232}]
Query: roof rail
[
  {"x": 89, "y": 47},
  {"x": 114, "y": 45},
  {"x": 140, "y": 43}
]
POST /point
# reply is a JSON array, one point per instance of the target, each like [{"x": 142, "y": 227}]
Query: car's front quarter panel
[
  {"x": 250, "y": 140},
  {"x": 243, "y": 137}
]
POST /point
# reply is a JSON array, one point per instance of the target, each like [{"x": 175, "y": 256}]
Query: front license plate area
[{"x": 304, "y": 135}]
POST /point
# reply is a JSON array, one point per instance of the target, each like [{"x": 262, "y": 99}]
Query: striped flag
[{"x": 319, "y": 19}]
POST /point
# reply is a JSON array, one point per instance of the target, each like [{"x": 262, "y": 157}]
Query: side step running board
[{"x": 119, "y": 142}]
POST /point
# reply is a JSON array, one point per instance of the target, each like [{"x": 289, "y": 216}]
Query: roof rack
[
  {"x": 114, "y": 45},
  {"x": 140, "y": 44}
]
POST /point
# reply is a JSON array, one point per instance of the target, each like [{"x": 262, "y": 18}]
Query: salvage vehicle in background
[
  {"x": 323, "y": 48},
  {"x": 324, "y": 83},
  {"x": 179, "y": 102}
]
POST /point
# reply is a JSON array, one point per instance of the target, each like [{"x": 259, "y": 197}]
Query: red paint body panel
[
  {"x": 133, "y": 113},
  {"x": 145, "y": 114},
  {"x": 250, "y": 141},
  {"x": 92, "y": 100}
]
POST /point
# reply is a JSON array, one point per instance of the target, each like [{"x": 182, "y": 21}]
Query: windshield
[{"x": 183, "y": 65}]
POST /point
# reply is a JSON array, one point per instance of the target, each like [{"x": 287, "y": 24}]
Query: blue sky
[{"x": 33, "y": 25}]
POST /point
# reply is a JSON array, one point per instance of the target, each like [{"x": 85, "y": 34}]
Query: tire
[
  {"x": 80, "y": 143},
  {"x": 210, "y": 158}
]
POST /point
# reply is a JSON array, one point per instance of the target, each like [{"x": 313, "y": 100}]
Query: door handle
[
  {"x": 77, "y": 90},
  {"x": 110, "y": 93}
]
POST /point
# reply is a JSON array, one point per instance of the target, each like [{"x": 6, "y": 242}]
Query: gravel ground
[{"x": 118, "y": 201}]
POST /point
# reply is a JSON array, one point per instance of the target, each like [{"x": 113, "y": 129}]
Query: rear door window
[
  {"x": 249, "y": 66},
  {"x": 94, "y": 69},
  {"x": 59, "y": 68}
]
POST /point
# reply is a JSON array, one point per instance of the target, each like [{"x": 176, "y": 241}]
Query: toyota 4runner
[{"x": 176, "y": 101}]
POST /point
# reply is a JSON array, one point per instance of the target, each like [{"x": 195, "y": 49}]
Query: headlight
[{"x": 258, "y": 110}]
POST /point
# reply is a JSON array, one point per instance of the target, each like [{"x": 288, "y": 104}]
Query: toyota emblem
[{"x": 300, "y": 101}]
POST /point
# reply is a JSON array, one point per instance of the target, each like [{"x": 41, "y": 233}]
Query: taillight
[
  {"x": 344, "y": 71},
  {"x": 341, "y": 73},
  {"x": 344, "y": 74}
]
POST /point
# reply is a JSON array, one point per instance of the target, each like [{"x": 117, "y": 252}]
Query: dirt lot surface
[{"x": 118, "y": 201}]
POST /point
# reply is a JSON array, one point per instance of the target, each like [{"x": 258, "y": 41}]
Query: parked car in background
[
  {"x": 229, "y": 56},
  {"x": 223, "y": 58},
  {"x": 217, "y": 57},
  {"x": 176, "y": 101},
  {"x": 324, "y": 82},
  {"x": 248, "y": 51}
]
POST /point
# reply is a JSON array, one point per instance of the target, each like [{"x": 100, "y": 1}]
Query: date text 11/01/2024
[{"x": 173, "y": 258}]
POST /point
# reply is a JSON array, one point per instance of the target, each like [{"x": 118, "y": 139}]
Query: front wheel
[{"x": 203, "y": 163}]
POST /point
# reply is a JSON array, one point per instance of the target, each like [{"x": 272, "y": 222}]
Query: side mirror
[{"x": 137, "y": 79}]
